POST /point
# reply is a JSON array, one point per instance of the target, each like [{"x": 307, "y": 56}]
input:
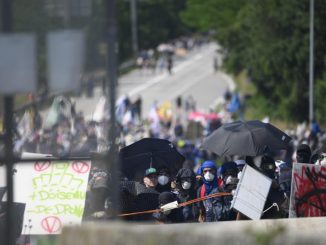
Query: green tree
[
  {"x": 269, "y": 39},
  {"x": 159, "y": 21}
]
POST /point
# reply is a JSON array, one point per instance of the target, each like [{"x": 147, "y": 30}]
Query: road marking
[{"x": 161, "y": 77}]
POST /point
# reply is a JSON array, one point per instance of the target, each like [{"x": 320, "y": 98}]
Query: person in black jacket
[
  {"x": 170, "y": 216},
  {"x": 185, "y": 190},
  {"x": 163, "y": 180},
  {"x": 276, "y": 197}
]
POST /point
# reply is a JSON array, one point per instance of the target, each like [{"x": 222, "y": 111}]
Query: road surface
[{"x": 192, "y": 75}]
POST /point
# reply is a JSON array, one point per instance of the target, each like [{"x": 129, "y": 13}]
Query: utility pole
[
  {"x": 66, "y": 13},
  {"x": 6, "y": 12},
  {"x": 112, "y": 80},
  {"x": 134, "y": 33},
  {"x": 311, "y": 63}
]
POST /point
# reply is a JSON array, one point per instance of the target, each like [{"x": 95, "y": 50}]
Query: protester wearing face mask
[
  {"x": 229, "y": 172},
  {"x": 185, "y": 190},
  {"x": 275, "y": 195},
  {"x": 169, "y": 216},
  {"x": 318, "y": 156},
  {"x": 164, "y": 180},
  {"x": 210, "y": 210},
  {"x": 321, "y": 159}
]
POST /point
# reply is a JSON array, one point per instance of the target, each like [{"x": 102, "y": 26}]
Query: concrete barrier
[{"x": 283, "y": 231}]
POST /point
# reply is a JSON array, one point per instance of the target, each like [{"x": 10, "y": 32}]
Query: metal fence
[{"x": 96, "y": 54}]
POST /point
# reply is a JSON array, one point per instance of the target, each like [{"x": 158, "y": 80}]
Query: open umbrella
[
  {"x": 251, "y": 138},
  {"x": 149, "y": 152}
]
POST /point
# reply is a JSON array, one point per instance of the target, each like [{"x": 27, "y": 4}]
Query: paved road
[{"x": 192, "y": 75}]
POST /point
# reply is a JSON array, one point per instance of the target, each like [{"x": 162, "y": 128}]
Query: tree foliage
[{"x": 269, "y": 39}]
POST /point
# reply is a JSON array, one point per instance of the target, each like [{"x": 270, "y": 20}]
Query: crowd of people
[
  {"x": 208, "y": 179},
  {"x": 170, "y": 196},
  {"x": 202, "y": 173},
  {"x": 162, "y": 58}
]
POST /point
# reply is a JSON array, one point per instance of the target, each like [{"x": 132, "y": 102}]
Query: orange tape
[{"x": 180, "y": 205}]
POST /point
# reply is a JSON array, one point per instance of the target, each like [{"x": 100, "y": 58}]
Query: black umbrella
[
  {"x": 149, "y": 152},
  {"x": 251, "y": 138}
]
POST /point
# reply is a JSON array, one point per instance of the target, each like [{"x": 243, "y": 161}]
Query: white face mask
[
  {"x": 239, "y": 174},
  {"x": 163, "y": 180},
  {"x": 186, "y": 185},
  {"x": 323, "y": 162},
  {"x": 209, "y": 176}
]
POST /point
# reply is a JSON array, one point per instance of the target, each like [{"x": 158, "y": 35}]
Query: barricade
[{"x": 282, "y": 231}]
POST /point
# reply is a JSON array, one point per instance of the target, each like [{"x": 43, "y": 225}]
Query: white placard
[
  {"x": 57, "y": 197},
  {"x": 21, "y": 182},
  {"x": 18, "y": 64},
  {"x": 251, "y": 193},
  {"x": 65, "y": 51},
  {"x": 20, "y": 177}
]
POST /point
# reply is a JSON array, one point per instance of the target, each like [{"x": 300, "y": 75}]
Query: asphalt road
[{"x": 192, "y": 75}]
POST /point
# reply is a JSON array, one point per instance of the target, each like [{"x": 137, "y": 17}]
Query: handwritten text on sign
[
  {"x": 58, "y": 196},
  {"x": 308, "y": 194}
]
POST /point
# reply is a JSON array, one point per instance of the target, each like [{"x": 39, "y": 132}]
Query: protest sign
[
  {"x": 21, "y": 173},
  {"x": 308, "y": 193},
  {"x": 57, "y": 197},
  {"x": 251, "y": 193}
]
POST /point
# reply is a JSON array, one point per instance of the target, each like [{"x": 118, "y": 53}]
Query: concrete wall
[{"x": 284, "y": 231}]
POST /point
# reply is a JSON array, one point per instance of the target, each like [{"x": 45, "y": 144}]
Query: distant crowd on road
[{"x": 162, "y": 58}]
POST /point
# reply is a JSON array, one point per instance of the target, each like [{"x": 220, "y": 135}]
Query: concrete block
[{"x": 283, "y": 231}]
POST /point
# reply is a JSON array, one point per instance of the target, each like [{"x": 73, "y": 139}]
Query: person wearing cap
[
  {"x": 240, "y": 164},
  {"x": 210, "y": 210},
  {"x": 150, "y": 178}
]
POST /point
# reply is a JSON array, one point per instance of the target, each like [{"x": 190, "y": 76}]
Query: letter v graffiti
[
  {"x": 41, "y": 166},
  {"x": 51, "y": 224}
]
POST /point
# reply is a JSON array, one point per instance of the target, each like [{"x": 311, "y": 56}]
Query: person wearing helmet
[{"x": 210, "y": 210}]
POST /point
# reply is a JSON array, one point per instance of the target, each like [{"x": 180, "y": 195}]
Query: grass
[
  {"x": 244, "y": 85},
  {"x": 255, "y": 108}
]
